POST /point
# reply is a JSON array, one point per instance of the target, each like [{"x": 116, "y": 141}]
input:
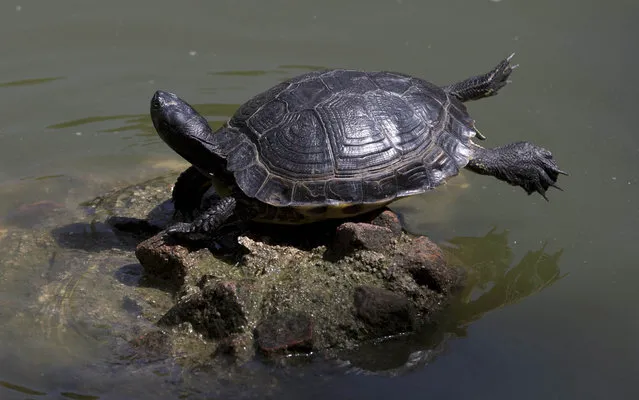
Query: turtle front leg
[
  {"x": 520, "y": 164},
  {"x": 205, "y": 225},
  {"x": 485, "y": 85},
  {"x": 188, "y": 192}
]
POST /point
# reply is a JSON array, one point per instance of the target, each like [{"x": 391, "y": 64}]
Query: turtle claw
[
  {"x": 479, "y": 135},
  {"x": 498, "y": 77},
  {"x": 485, "y": 85},
  {"x": 547, "y": 171},
  {"x": 544, "y": 196},
  {"x": 521, "y": 164}
]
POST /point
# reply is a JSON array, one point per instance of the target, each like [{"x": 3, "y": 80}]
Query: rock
[
  {"x": 353, "y": 236},
  {"x": 164, "y": 260},
  {"x": 285, "y": 332},
  {"x": 348, "y": 284},
  {"x": 238, "y": 347},
  {"x": 371, "y": 282},
  {"x": 215, "y": 311},
  {"x": 384, "y": 312},
  {"x": 152, "y": 342},
  {"x": 388, "y": 219},
  {"x": 425, "y": 262},
  {"x": 181, "y": 268}
]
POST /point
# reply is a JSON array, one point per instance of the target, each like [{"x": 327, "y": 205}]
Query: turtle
[{"x": 336, "y": 143}]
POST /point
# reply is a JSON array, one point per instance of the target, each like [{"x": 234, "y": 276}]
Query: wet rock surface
[
  {"x": 215, "y": 311},
  {"x": 285, "y": 332}
]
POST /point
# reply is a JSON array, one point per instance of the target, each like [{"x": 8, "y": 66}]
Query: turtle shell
[{"x": 343, "y": 137}]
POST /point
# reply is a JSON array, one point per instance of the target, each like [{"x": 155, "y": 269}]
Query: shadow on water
[{"x": 90, "y": 236}]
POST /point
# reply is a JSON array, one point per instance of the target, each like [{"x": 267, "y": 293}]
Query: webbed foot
[
  {"x": 207, "y": 223},
  {"x": 486, "y": 85},
  {"x": 498, "y": 77},
  {"x": 521, "y": 164}
]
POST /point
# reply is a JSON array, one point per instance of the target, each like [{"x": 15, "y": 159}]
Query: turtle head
[{"x": 181, "y": 127}]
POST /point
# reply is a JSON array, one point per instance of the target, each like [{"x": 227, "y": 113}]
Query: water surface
[{"x": 75, "y": 81}]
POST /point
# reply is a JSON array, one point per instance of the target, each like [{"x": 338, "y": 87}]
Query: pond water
[{"x": 552, "y": 313}]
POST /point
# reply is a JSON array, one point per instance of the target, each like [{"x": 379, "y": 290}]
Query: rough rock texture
[
  {"x": 285, "y": 332},
  {"x": 368, "y": 280},
  {"x": 384, "y": 312},
  {"x": 216, "y": 310}
]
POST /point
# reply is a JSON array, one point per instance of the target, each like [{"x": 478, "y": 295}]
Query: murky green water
[{"x": 558, "y": 278}]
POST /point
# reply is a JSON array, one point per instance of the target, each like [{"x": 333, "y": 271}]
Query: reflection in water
[
  {"x": 241, "y": 73},
  {"x": 31, "y": 392},
  {"x": 492, "y": 281},
  {"x": 303, "y": 67},
  {"x": 91, "y": 120},
  {"x": 29, "y": 82},
  {"x": 281, "y": 70},
  {"x": 21, "y": 389},
  {"x": 77, "y": 396}
]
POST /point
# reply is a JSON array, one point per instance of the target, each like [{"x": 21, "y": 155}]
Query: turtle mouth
[{"x": 161, "y": 100}]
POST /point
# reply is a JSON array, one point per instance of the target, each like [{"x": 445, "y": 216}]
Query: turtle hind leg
[
  {"x": 207, "y": 223},
  {"x": 520, "y": 164},
  {"x": 485, "y": 85},
  {"x": 188, "y": 191}
]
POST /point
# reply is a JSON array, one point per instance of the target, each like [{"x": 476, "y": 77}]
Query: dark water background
[{"x": 76, "y": 78}]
